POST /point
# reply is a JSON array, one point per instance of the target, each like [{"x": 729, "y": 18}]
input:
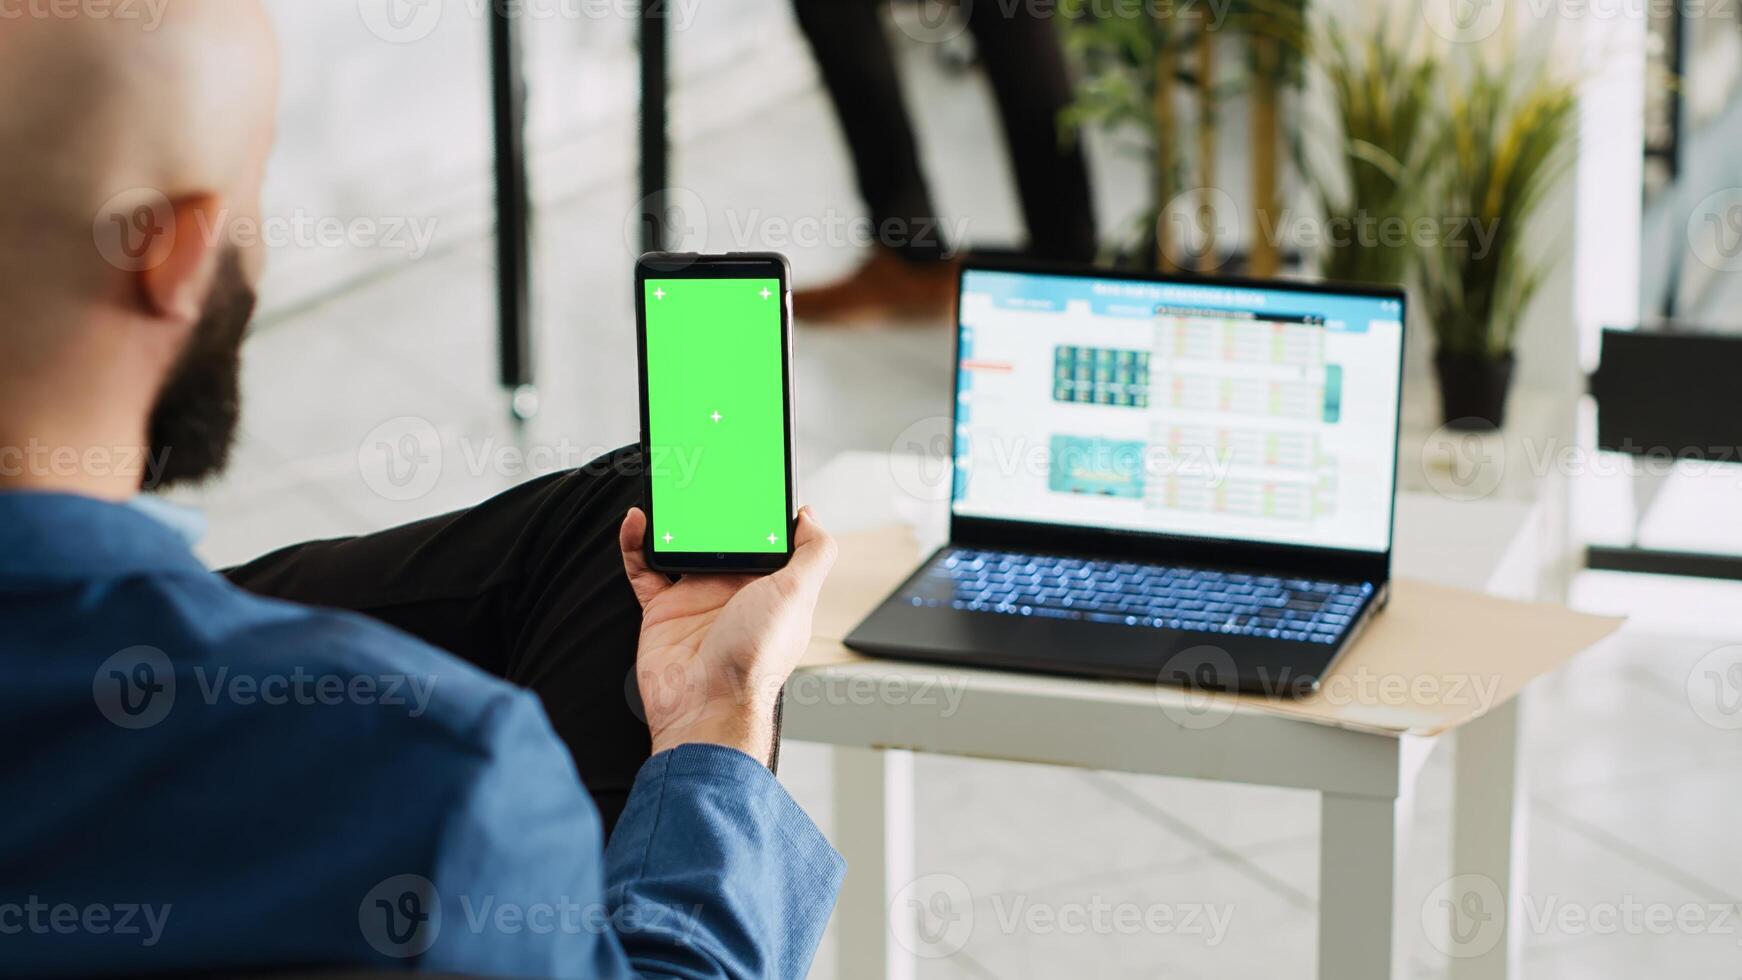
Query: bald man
[{"x": 405, "y": 749}]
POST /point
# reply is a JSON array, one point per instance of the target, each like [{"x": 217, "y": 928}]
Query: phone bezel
[{"x": 737, "y": 265}]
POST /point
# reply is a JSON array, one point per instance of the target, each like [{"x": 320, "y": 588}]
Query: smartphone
[{"x": 716, "y": 410}]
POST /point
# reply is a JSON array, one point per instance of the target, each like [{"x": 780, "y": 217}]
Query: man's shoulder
[
  {"x": 244, "y": 741},
  {"x": 241, "y": 649},
  {"x": 334, "y": 699}
]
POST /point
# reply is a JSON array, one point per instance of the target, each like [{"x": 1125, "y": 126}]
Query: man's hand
[{"x": 717, "y": 649}]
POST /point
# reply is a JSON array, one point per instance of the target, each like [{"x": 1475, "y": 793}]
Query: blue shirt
[{"x": 196, "y": 778}]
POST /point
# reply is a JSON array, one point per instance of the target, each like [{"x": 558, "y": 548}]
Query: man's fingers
[
  {"x": 814, "y": 553},
  {"x": 813, "y": 556},
  {"x": 646, "y": 582}
]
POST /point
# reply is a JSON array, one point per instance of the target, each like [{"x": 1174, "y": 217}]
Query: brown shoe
[{"x": 886, "y": 287}]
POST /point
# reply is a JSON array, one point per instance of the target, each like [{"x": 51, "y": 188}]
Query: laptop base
[{"x": 900, "y": 630}]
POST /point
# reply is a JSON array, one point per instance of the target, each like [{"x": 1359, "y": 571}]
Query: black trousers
[
  {"x": 1025, "y": 63},
  {"x": 528, "y": 586}
]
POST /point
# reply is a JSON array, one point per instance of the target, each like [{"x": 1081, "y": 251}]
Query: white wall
[
  {"x": 400, "y": 127},
  {"x": 382, "y": 129}
]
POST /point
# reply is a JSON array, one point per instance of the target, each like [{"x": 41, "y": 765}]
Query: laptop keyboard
[{"x": 1135, "y": 594}]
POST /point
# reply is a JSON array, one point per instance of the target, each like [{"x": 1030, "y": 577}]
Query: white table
[{"x": 1365, "y": 780}]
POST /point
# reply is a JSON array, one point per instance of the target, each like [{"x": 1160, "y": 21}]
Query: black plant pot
[{"x": 1473, "y": 390}]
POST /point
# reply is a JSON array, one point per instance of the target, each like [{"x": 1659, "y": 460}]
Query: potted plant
[
  {"x": 1275, "y": 35},
  {"x": 1508, "y": 137},
  {"x": 1139, "y": 68},
  {"x": 1130, "y": 78},
  {"x": 1385, "y": 134}
]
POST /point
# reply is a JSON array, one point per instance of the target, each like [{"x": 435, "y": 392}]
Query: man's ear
[{"x": 177, "y": 282}]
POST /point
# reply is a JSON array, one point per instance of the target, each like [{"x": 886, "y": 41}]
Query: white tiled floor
[{"x": 1632, "y": 797}]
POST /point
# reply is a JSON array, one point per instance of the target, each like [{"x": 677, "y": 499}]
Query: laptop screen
[{"x": 1233, "y": 412}]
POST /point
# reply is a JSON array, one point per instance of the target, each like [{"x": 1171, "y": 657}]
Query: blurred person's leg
[
  {"x": 905, "y": 275},
  {"x": 528, "y": 585},
  {"x": 858, "y": 69},
  {"x": 1025, "y": 63}
]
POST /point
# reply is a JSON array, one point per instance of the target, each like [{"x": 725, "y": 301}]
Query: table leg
[
  {"x": 1357, "y": 868},
  {"x": 874, "y": 831},
  {"x": 1488, "y": 837}
]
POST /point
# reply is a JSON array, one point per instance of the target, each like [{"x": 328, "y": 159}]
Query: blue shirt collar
[
  {"x": 51, "y": 536},
  {"x": 190, "y": 524}
]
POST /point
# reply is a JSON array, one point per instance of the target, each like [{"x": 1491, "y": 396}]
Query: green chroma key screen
[{"x": 716, "y": 415}]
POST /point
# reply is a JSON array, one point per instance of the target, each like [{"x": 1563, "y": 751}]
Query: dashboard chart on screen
[{"x": 1193, "y": 409}]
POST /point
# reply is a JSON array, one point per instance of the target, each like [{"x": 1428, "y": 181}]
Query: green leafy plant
[
  {"x": 1387, "y": 126},
  {"x": 1129, "y": 64},
  {"x": 1508, "y": 139},
  {"x": 1135, "y": 68},
  {"x": 1276, "y": 41}
]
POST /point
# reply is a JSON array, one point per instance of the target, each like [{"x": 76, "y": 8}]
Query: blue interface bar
[{"x": 1044, "y": 292}]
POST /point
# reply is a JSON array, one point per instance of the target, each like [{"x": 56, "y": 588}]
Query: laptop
[{"x": 1183, "y": 480}]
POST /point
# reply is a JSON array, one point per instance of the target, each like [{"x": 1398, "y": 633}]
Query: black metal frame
[
  {"x": 513, "y": 201},
  {"x": 513, "y": 195},
  {"x": 1655, "y": 561},
  {"x": 654, "y": 35},
  {"x": 1664, "y": 395}
]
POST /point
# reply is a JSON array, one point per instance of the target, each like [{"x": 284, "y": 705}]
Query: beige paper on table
[{"x": 1434, "y": 659}]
